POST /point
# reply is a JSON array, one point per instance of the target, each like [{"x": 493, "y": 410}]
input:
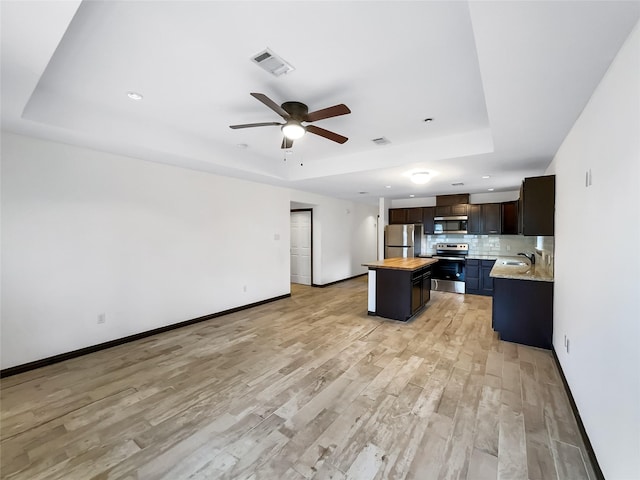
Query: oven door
[{"x": 448, "y": 269}]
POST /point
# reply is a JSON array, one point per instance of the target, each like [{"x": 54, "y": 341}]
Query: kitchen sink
[{"x": 515, "y": 263}]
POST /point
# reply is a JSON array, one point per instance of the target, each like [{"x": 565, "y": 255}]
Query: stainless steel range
[{"x": 447, "y": 275}]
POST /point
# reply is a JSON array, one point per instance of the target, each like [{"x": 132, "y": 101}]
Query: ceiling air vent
[
  {"x": 272, "y": 63},
  {"x": 381, "y": 141},
  {"x": 459, "y": 184}
]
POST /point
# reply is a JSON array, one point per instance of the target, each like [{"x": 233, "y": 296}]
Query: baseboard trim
[
  {"x": 576, "y": 413},
  {"x": 7, "y": 372},
  {"x": 337, "y": 281}
]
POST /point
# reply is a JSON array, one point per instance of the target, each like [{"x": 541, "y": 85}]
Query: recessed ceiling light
[
  {"x": 411, "y": 196},
  {"x": 486, "y": 176},
  {"x": 420, "y": 177},
  {"x": 363, "y": 193},
  {"x": 387, "y": 186},
  {"x": 491, "y": 189},
  {"x": 134, "y": 95},
  {"x": 428, "y": 120}
]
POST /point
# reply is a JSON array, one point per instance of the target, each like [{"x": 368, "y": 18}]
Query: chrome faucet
[{"x": 530, "y": 256}]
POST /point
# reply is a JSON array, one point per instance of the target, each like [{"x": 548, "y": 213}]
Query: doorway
[{"x": 301, "y": 246}]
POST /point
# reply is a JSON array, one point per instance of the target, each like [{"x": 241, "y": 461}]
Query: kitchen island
[{"x": 399, "y": 287}]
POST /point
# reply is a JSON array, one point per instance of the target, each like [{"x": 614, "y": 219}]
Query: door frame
[{"x": 310, "y": 210}]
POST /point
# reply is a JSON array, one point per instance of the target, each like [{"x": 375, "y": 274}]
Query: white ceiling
[{"x": 503, "y": 81}]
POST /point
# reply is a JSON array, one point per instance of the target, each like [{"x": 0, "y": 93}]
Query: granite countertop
[
  {"x": 409, "y": 264},
  {"x": 538, "y": 273}
]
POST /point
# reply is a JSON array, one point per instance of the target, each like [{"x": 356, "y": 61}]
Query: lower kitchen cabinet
[
  {"x": 523, "y": 311},
  {"x": 400, "y": 294},
  {"x": 478, "y": 280}
]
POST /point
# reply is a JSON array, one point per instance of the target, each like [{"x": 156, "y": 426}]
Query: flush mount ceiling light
[
  {"x": 134, "y": 96},
  {"x": 293, "y": 130},
  {"x": 420, "y": 177}
]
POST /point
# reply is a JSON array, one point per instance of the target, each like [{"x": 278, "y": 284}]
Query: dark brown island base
[{"x": 399, "y": 287}]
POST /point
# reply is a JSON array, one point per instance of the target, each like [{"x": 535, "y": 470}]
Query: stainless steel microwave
[{"x": 453, "y": 224}]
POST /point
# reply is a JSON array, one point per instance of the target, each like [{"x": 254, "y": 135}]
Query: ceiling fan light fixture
[
  {"x": 420, "y": 177},
  {"x": 293, "y": 130}
]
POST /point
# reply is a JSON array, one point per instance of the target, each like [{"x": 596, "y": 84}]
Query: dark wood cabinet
[
  {"x": 474, "y": 223},
  {"x": 486, "y": 280},
  {"x": 537, "y": 206},
  {"x": 484, "y": 218},
  {"x": 397, "y": 216},
  {"x": 477, "y": 278},
  {"x": 401, "y": 216},
  {"x": 510, "y": 218},
  {"x": 414, "y": 215},
  {"x": 472, "y": 276},
  {"x": 523, "y": 311},
  {"x": 491, "y": 218},
  {"x": 427, "y": 219},
  {"x": 451, "y": 210},
  {"x": 400, "y": 294}
]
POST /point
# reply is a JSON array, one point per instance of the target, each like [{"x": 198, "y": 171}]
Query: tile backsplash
[{"x": 498, "y": 245}]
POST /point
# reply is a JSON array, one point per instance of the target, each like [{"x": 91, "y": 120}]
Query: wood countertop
[{"x": 409, "y": 264}]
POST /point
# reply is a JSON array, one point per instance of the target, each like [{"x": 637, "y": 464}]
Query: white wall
[
  {"x": 85, "y": 233},
  {"x": 344, "y": 236},
  {"x": 597, "y": 286},
  {"x": 488, "y": 197}
]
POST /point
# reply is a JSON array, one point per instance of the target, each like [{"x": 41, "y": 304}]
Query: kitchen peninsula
[
  {"x": 523, "y": 302},
  {"x": 399, "y": 287}
]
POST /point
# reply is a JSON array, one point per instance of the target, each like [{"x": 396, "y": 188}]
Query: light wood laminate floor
[{"x": 305, "y": 387}]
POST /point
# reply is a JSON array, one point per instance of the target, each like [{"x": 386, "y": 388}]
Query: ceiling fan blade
[
  {"x": 326, "y": 134},
  {"x": 329, "y": 112},
  {"x": 249, "y": 125},
  {"x": 286, "y": 143},
  {"x": 271, "y": 104}
]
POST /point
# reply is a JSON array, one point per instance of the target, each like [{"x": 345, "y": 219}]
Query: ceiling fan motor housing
[{"x": 297, "y": 110}]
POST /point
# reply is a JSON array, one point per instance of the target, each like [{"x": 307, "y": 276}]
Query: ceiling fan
[{"x": 294, "y": 113}]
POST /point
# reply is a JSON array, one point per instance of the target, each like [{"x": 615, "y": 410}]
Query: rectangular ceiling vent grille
[
  {"x": 459, "y": 184},
  {"x": 272, "y": 63},
  {"x": 381, "y": 141}
]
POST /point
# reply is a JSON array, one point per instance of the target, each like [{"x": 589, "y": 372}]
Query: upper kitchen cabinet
[
  {"x": 401, "y": 216},
  {"x": 510, "y": 218},
  {"x": 484, "y": 218},
  {"x": 397, "y": 216},
  {"x": 452, "y": 210},
  {"x": 414, "y": 215},
  {"x": 451, "y": 205},
  {"x": 427, "y": 220},
  {"x": 537, "y": 205}
]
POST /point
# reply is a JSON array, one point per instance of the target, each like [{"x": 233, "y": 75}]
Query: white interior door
[{"x": 301, "y": 247}]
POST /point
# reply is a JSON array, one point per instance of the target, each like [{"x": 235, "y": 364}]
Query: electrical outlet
[{"x": 102, "y": 318}]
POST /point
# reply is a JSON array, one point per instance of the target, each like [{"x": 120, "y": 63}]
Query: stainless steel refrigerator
[{"x": 402, "y": 241}]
